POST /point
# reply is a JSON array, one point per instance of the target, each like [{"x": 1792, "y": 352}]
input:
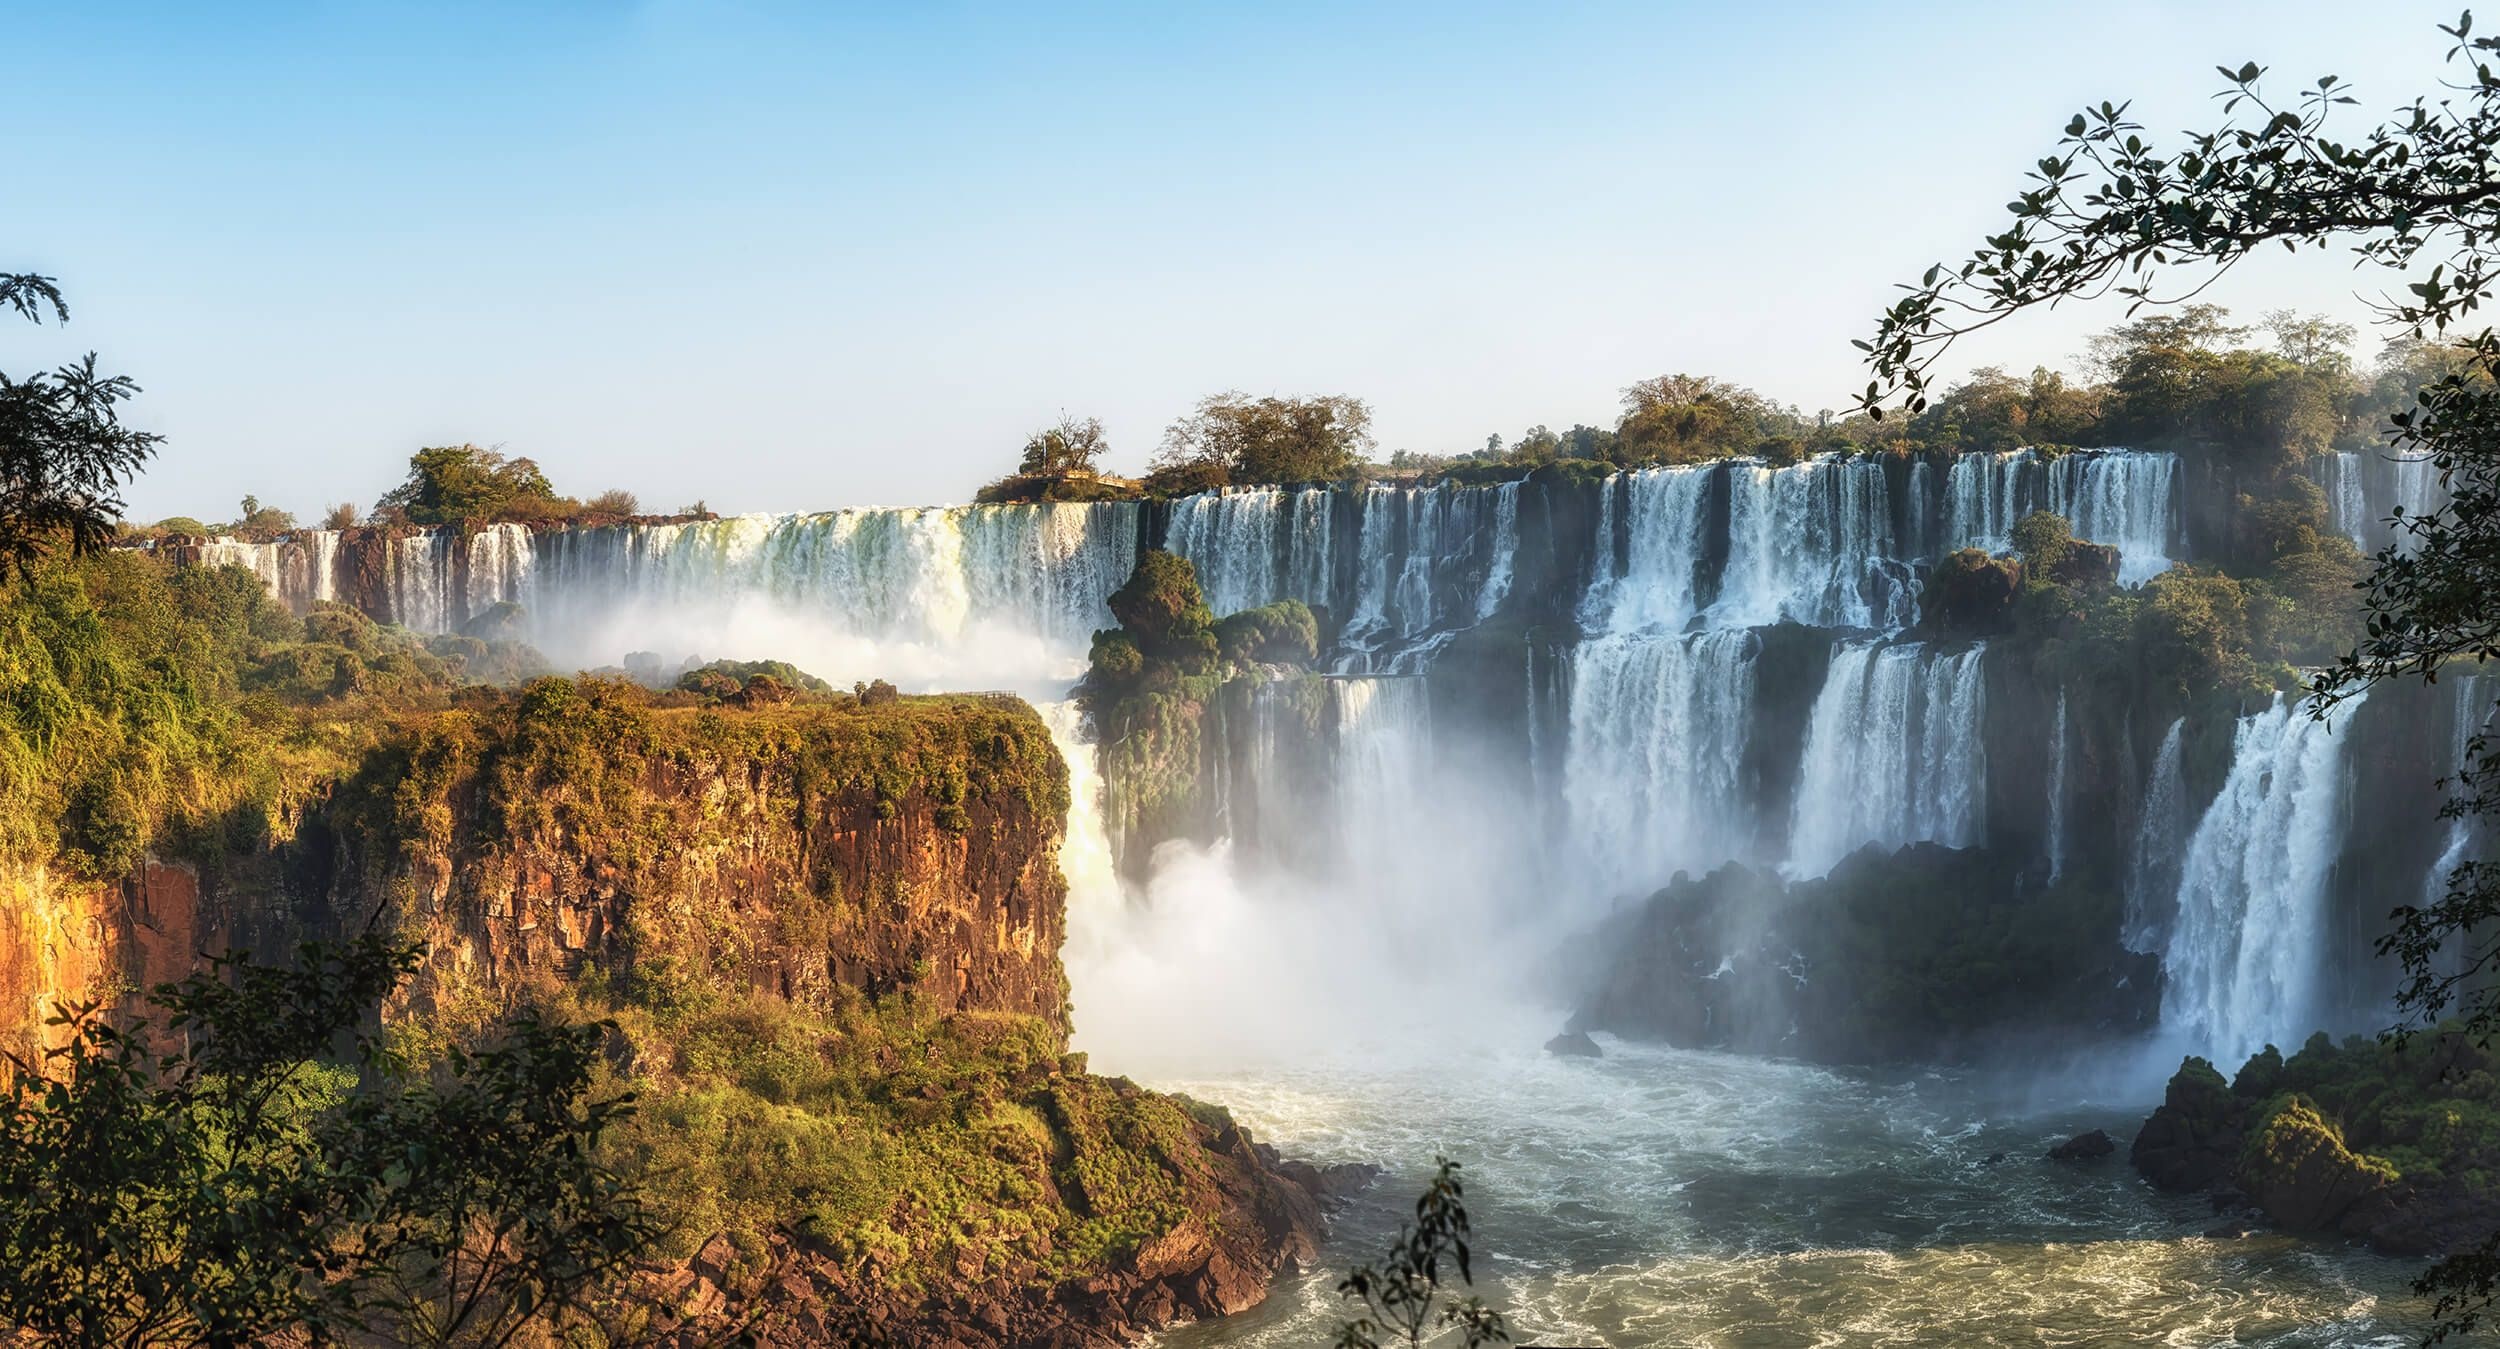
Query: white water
[
  {"x": 2127, "y": 499},
  {"x": 1893, "y": 754},
  {"x": 2365, "y": 489},
  {"x": 2245, "y": 963},
  {"x": 1812, "y": 543},
  {"x": 300, "y": 570},
  {"x": 2057, "y": 792},
  {"x": 2153, "y": 870},
  {"x": 1658, "y": 730}
]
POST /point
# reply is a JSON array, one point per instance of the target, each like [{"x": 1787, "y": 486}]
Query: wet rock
[
  {"x": 2299, "y": 1171},
  {"x": 1574, "y": 1044},
  {"x": 2085, "y": 1147},
  {"x": 1994, "y": 1159},
  {"x": 2192, "y": 1140}
]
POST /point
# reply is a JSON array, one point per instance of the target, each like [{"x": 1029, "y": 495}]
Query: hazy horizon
[{"x": 787, "y": 260}]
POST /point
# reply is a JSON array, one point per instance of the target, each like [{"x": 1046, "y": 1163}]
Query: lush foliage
[
  {"x": 64, "y": 451},
  {"x": 1241, "y": 439},
  {"x": 146, "y": 706},
  {"x": 469, "y": 486},
  {"x": 278, "y": 1170}
]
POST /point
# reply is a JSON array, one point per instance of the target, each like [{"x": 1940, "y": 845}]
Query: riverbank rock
[
  {"x": 1574, "y": 1044},
  {"x": 2089, "y": 1147},
  {"x": 2391, "y": 1144}
]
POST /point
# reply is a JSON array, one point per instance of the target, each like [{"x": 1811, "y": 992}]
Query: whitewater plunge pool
[{"x": 1660, "y": 1197}]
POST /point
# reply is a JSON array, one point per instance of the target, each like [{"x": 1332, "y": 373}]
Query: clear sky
[{"x": 798, "y": 256}]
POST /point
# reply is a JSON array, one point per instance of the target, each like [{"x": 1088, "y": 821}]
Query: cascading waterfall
[
  {"x": 2472, "y": 710},
  {"x": 2153, "y": 869},
  {"x": 1651, "y": 779},
  {"x": 300, "y": 570},
  {"x": 1893, "y": 754},
  {"x": 2365, "y": 489},
  {"x": 996, "y": 593},
  {"x": 2057, "y": 792},
  {"x": 1665, "y": 512},
  {"x": 500, "y": 560},
  {"x": 421, "y": 581},
  {"x": 2124, "y": 498},
  {"x": 2245, "y": 963},
  {"x": 1255, "y": 546},
  {"x": 1812, "y": 543}
]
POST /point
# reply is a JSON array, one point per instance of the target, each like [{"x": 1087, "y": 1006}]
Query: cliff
[{"x": 824, "y": 929}]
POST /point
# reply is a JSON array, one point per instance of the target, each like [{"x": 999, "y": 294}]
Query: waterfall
[
  {"x": 1665, "y": 517},
  {"x": 1651, "y": 772},
  {"x": 1255, "y": 546},
  {"x": 2153, "y": 870},
  {"x": 500, "y": 560},
  {"x": 931, "y": 596},
  {"x": 2057, "y": 792},
  {"x": 1893, "y": 754},
  {"x": 1505, "y": 561},
  {"x": 2123, "y": 498},
  {"x": 2246, "y": 960},
  {"x": 2347, "y": 497},
  {"x": 1812, "y": 543},
  {"x": 2365, "y": 490},
  {"x": 300, "y": 570},
  {"x": 421, "y": 581},
  {"x": 2473, "y": 713}
]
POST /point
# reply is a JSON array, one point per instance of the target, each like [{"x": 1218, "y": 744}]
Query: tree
[
  {"x": 1404, "y": 1299},
  {"x": 2108, "y": 211},
  {"x": 2312, "y": 341},
  {"x": 341, "y": 515},
  {"x": 1683, "y": 419},
  {"x": 277, "y": 1169},
  {"x": 466, "y": 484},
  {"x": 64, "y": 451},
  {"x": 1069, "y": 446},
  {"x": 1269, "y": 440},
  {"x": 262, "y": 522}
]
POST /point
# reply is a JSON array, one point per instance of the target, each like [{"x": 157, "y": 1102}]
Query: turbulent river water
[{"x": 1664, "y": 1197}]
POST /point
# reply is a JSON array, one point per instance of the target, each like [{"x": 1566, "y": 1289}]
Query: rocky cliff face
[{"x": 861, "y": 898}]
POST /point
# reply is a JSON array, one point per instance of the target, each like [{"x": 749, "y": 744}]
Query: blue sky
[{"x": 790, "y": 257}]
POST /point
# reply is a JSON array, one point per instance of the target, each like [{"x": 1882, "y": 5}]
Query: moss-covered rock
[{"x": 2396, "y": 1143}]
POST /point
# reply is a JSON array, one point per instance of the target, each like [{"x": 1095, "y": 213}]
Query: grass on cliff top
[
  {"x": 149, "y": 707},
  {"x": 917, "y": 1150},
  {"x": 578, "y": 757}
]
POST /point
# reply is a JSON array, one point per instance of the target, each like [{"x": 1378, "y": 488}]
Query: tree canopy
[
  {"x": 64, "y": 451},
  {"x": 1269, "y": 440}
]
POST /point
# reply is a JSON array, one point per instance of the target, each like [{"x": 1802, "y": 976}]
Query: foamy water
[{"x": 1661, "y": 1197}]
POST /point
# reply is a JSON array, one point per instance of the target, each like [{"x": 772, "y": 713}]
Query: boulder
[
  {"x": 1574, "y": 1044},
  {"x": 2085, "y": 1147},
  {"x": 2296, "y": 1167},
  {"x": 2191, "y": 1142}
]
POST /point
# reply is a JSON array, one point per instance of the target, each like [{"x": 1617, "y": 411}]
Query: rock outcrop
[{"x": 2391, "y": 1144}]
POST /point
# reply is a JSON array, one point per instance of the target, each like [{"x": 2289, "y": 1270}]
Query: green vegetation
[
  {"x": 1062, "y": 462},
  {"x": 1404, "y": 1300},
  {"x": 145, "y": 706},
  {"x": 64, "y": 451},
  {"x": 912, "y": 1148},
  {"x": 468, "y": 486},
  {"x": 279, "y": 1172},
  {"x": 1151, "y": 682},
  {"x": 1232, "y": 437}
]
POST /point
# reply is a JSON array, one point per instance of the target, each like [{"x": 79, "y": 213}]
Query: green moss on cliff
[{"x": 916, "y": 1150}]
